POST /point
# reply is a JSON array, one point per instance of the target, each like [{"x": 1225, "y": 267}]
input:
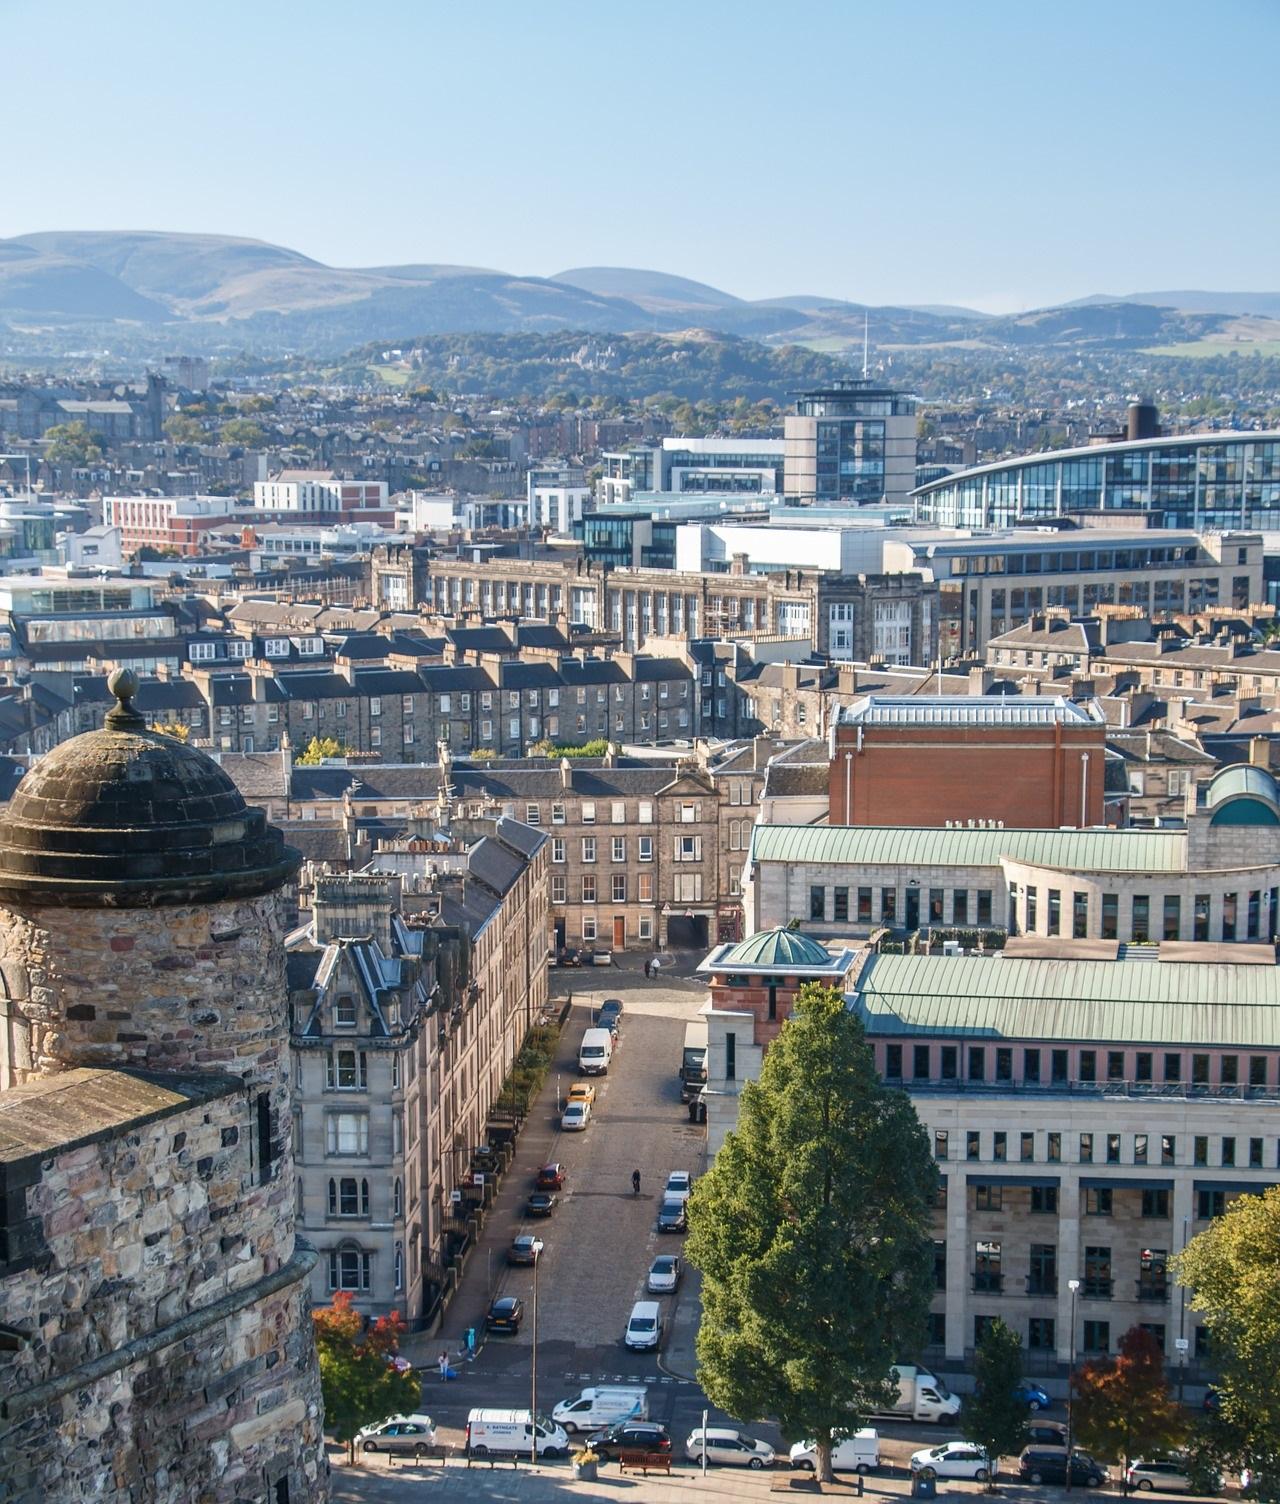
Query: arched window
[
  {"x": 397, "y": 1198},
  {"x": 349, "y": 1267},
  {"x": 399, "y": 1266}
]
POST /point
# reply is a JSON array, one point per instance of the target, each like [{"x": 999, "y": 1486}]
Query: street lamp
[
  {"x": 533, "y": 1373},
  {"x": 1074, "y": 1286}
]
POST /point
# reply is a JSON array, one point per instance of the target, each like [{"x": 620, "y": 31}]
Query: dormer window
[{"x": 344, "y": 1013}]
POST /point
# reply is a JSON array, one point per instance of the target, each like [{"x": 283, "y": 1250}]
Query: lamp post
[
  {"x": 1074, "y": 1286},
  {"x": 533, "y": 1373}
]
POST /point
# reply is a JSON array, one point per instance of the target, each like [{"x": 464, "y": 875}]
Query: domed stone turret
[{"x": 127, "y": 817}]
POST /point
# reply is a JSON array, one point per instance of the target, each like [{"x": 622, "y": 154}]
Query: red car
[{"x": 550, "y": 1178}]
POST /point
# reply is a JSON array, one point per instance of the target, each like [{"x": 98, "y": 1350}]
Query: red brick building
[{"x": 1032, "y": 761}]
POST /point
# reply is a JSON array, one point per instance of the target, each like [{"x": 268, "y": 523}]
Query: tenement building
[
  {"x": 1218, "y": 878},
  {"x": 154, "y": 1297},
  {"x": 1083, "y": 1127}
]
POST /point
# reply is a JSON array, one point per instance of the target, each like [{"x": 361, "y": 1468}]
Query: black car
[
  {"x": 1049, "y": 1465},
  {"x": 505, "y": 1314},
  {"x": 541, "y": 1204},
  {"x": 628, "y": 1436},
  {"x": 568, "y": 955},
  {"x": 611, "y": 1006},
  {"x": 672, "y": 1217}
]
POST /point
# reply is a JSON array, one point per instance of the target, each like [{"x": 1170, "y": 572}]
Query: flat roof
[
  {"x": 1101, "y": 451},
  {"x": 1096, "y": 849},
  {"x": 1141, "y": 1002},
  {"x": 966, "y": 710}
]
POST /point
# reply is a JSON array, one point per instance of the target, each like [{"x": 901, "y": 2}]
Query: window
[
  {"x": 688, "y": 849},
  {"x": 1041, "y": 1333},
  {"x": 532, "y": 814},
  {"x": 349, "y": 1268},
  {"x": 347, "y": 1070},
  {"x": 347, "y": 1133},
  {"x": 1255, "y": 1153},
  {"x": 344, "y": 1012},
  {"x": 399, "y": 1266},
  {"x": 1110, "y": 916},
  {"x": 977, "y": 1063},
  {"x": 644, "y": 887},
  {"x": 1026, "y": 1146},
  {"x": 730, "y": 1057},
  {"x": 557, "y": 814},
  {"x": 939, "y": 1264},
  {"x": 949, "y": 1062},
  {"x": 1044, "y": 1199},
  {"x": 984, "y": 905},
  {"x": 645, "y": 814},
  {"x": 1200, "y": 917},
  {"x": 1141, "y": 917},
  {"x": 619, "y": 849},
  {"x": 960, "y": 906},
  {"x": 1053, "y": 1148},
  {"x": 1055, "y": 910},
  {"x": 1199, "y": 1070},
  {"x": 1086, "y": 1148},
  {"x": 988, "y": 1198},
  {"x": 588, "y": 848},
  {"x": 893, "y": 1062},
  {"x": 397, "y": 1198},
  {"x": 619, "y": 887},
  {"x": 1058, "y": 1067},
  {"x": 375, "y": 705},
  {"x": 644, "y": 930},
  {"x": 588, "y": 927},
  {"x": 1229, "y": 916},
  {"x": 557, "y": 848},
  {"x": 618, "y": 811},
  {"x": 935, "y": 905},
  {"x": 1139, "y": 1148},
  {"x": 645, "y": 852},
  {"x": 1142, "y": 1066},
  {"x": 1155, "y": 1203},
  {"x": 1228, "y": 1151},
  {"x": 940, "y": 1143},
  {"x": 589, "y": 889},
  {"x": 1115, "y": 1065},
  {"x": 1229, "y": 1070},
  {"x": 1172, "y": 916},
  {"x": 999, "y": 1146},
  {"x": 1210, "y": 1204},
  {"x": 864, "y": 905},
  {"x": 1004, "y": 1064},
  {"x": 986, "y": 1267},
  {"x": 920, "y": 1065},
  {"x": 817, "y": 903},
  {"x": 1097, "y": 1273},
  {"x": 1257, "y": 1070},
  {"x": 1199, "y": 1150},
  {"x": 1173, "y": 1067},
  {"x": 972, "y": 1145},
  {"x": 1031, "y": 1067},
  {"x": 1088, "y": 1065},
  {"x": 1113, "y": 1148},
  {"x": 888, "y": 905},
  {"x": 1168, "y": 1148},
  {"x": 1079, "y": 917},
  {"x": 348, "y": 1197},
  {"x": 1032, "y": 897},
  {"x": 1097, "y": 1337},
  {"x": 1097, "y": 1201},
  {"x": 559, "y": 888},
  {"x": 688, "y": 813},
  {"x": 588, "y": 812},
  {"x": 840, "y": 902}
]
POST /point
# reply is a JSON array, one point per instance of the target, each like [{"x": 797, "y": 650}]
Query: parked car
[
  {"x": 859, "y": 1453},
  {"x": 664, "y": 1274},
  {"x": 1048, "y": 1433},
  {"x": 1049, "y": 1465},
  {"x": 629, "y": 1436},
  {"x": 583, "y": 1091},
  {"x": 1167, "y": 1474},
  {"x": 644, "y": 1326},
  {"x": 679, "y": 1184},
  {"x": 954, "y": 1459},
  {"x": 1032, "y": 1396},
  {"x": 575, "y": 1117},
  {"x": 568, "y": 955},
  {"x": 505, "y": 1314},
  {"x": 610, "y": 1008},
  {"x": 541, "y": 1203},
  {"x": 672, "y": 1217},
  {"x": 549, "y": 1178},
  {"x": 724, "y": 1445},
  {"x": 398, "y": 1436},
  {"x": 524, "y": 1249}
]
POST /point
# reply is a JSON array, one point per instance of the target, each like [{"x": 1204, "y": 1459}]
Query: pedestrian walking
[{"x": 444, "y": 1367}]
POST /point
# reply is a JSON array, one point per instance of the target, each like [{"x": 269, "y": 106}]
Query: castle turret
[{"x": 164, "y": 1343}]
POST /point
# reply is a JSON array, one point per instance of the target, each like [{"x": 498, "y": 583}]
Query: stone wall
[{"x": 165, "y": 1304}]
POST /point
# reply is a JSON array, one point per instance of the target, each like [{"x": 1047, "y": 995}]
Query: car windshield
[
  {"x": 663, "y": 1266},
  {"x": 642, "y": 1324}
]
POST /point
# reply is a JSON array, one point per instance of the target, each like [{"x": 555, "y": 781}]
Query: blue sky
[{"x": 1003, "y": 155}]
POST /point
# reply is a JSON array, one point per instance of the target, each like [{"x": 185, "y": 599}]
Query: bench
[
  {"x": 493, "y": 1458},
  {"x": 437, "y": 1453},
  {"x": 644, "y": 1462}
]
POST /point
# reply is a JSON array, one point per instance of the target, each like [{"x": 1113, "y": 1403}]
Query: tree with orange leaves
[
  {"x": 358, "y": 1375},
  {"x": 1122, "y": 1407}
]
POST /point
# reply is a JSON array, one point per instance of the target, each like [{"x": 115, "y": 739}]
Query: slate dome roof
[
  {"x": 129, "y": 817},
  {"x": 779, "y": 947}
]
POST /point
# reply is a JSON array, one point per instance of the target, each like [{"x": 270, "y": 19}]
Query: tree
[
  {"x": 360, "y": 1381},
  {"x": 176, "y": 729},
  {"x": 1122, "y": 1406},
  {"x": 995, "y": 1417},
  {"x": 72, "y": 444},
  {"x": 812, "y": 1231},
  {"x": 1233, "y": 1271},
  {"x": 243, "y": 431},
  {"x": 319, "y": 748},
  {"x": 184, "y": 430}
]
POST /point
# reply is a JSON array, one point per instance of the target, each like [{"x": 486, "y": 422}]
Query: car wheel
[
  {"x": 981, "y": 1475},
  {"x": 756, "y": 1462},
  {"x": 696, "y": 1459},
  {"x": 480, "y": 1450},
  {"x": 1034, "y": 1406},
  {"x": 371, "y": 1446},
  {"x": 1037, "y": 1477},
  {"x": 1093, "y": 1482},
  {"x": 1145, "y": 1484},
  {"x": 862, "y": 1469}
]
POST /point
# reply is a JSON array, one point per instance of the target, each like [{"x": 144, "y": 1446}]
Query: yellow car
[{"x": 582, "y": 1091}]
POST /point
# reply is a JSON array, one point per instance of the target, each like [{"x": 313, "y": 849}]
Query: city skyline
[{"x": 984, "y": 169}]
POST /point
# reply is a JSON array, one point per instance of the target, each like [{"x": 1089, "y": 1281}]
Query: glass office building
[
  {"x": 1209, "y": 482},
  {"x": 853, "y": 441}
]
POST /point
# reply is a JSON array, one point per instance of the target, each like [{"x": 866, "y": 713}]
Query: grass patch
[
  {"x": 1209, "y": 349},
  {"x": 391, "y": 375}
]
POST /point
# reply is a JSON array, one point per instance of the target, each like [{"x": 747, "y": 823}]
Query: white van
[
  {"x": 513, "y": 1431},
  {"x": 644, "y": 1329},
  {"x": 858, "y": 1453},
  {"x": 602, "y": 1405},
  {"x": 595, "y": 1052}
]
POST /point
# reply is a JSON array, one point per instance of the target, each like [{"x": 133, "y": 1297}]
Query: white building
[
  {"x": 557, "y": 508},
  {"x": 318, "y": 491}
]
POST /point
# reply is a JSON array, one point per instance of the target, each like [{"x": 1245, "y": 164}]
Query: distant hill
[{"x": 149, "y": 290}]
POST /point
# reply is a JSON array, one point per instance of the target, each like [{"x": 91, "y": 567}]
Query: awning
[
  {"x": 1124, "y": 1183},
  {"x": 1249, "y": 1187},
  {"x": 988, "y": 1179}
]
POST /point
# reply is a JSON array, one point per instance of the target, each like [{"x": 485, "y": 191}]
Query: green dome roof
[{"x": 780, "y": 947}]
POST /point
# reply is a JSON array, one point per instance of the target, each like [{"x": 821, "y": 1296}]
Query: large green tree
[
  {"x": 72, "y": 444},
  {"x": 1122, "y": 1407},
  {"x": 812, "y": 1232},
  {"x": 994, "y": 1416},
  {"x": 360, "y": 1381},
  {"x": 1233, "y": 1271}
]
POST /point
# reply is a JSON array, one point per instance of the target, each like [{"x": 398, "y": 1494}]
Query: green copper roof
[
  {"x": 1091, "y": 850},
  {"x": 780, "y": 947}
]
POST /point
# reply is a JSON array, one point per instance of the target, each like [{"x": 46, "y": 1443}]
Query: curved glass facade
[{"x": 1204, "y": 482}]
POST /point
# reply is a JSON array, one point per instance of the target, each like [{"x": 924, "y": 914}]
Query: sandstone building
[{"x": 153, "y": 1294}]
